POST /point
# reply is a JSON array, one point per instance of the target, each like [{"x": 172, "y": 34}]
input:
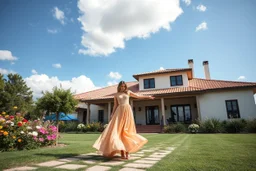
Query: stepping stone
[
  {"x": 165, "y": 151},
  {"x": 71, "y": 166},
  {"x": 51, "y": 163},
  {"x": 160, "y": 154},
  {"x": 137, "y": 155},
  {"x": 89, "y": 161},
  {"x": 151, "y": 158},
  {"x": 146, "y": 161},
  {"x": 170, "y": 148},
  {"x": 138, "y": 165},
  {"x": 156, "y": 156},
  {"x": 112, "y": 163},
  {"x": 98, "y": 168},
  {"x": 147, "y": 150},
  {"x": 70, "y": 159},
  {"x": 130, "y": 169},
  {"x": 131, "y": 158},
  {"x": 140, "y": 152},
  {"x": 22, "y": 168}
]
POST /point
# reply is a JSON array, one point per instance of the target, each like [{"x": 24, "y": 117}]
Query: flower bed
[{"x": 17, "y": 133}]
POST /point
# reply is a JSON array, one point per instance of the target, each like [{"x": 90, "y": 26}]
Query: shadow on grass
[{"x": 73, "y": 155}]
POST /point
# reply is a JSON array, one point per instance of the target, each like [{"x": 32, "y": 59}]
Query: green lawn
[{"x": 193, "y": 151}]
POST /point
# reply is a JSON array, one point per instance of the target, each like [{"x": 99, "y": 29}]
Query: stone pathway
[{"x": 139, "y": 161}]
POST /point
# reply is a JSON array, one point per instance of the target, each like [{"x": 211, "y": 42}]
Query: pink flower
[
  {"x": 54, "y": 136},
  {"x": 42, "y": 130},
  {"x": 35, "y": 138},
  {"x": 49, "y": 137},
  {"x": 53, "y": 128},
  {"x": 41, "y": 139}
]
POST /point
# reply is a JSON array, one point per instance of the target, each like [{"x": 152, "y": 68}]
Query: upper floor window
[
  {"x": 176, "y": 80},
  {"x": 232, "y": 109},
  {"x": 149, "y": 83}
]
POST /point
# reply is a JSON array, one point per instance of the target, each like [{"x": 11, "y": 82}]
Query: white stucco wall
[
  {"x": 163, "y": 80},
  {"x": 213, "y": 105}
]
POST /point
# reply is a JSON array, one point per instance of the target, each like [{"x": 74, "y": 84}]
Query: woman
[{"x": 120, "y": 134}]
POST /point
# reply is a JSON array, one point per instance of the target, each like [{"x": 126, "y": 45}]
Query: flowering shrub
[
  {"x": 91, "y": 127},
  {"x": 193, "y": 128},
  {"x": 19, "y": 133}
]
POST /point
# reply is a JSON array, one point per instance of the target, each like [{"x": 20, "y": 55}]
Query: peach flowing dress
[{"x": 120, "y": 133}]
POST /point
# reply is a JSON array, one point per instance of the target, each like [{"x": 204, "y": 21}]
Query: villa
[{"x": 179, "y": 97}]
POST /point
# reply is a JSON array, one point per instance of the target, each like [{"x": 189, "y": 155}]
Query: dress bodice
[{"x": 123, "y": 98}]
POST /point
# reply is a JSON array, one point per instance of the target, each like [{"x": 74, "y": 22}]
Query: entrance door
[{"x": 152, "y": 115}]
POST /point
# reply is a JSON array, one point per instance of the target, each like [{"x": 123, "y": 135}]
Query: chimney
[
  {"x": 206, "y": 70},
  {"x": 191, "y": 65}
]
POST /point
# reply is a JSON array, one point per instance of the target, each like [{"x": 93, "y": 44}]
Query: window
[
  {"x": 101, "y": 116},
  {"x": 176, "y": 80},
  {"x": 232, "y": 109},
  {"x": 152, "y": 115},
  {"x": 149, "y": 83},
  {"x": 180, "y": 113}
]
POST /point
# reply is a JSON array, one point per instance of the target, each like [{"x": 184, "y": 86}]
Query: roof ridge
[
  {"x": 224, "y": 80},
  {"x": 102, "y": 88}
]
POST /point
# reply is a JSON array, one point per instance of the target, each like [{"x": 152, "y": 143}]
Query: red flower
[
  {"x": 11, "y": 117},
  {"x": 19, "y": 124},
  {"x": 24, "y": 120}
]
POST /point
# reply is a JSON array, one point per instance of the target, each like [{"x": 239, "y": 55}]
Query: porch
[{"x": 149, "y": 115}]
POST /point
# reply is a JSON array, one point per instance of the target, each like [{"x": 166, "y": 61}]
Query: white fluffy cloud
[
  {"x": 202, "y": 26},
  {"x": 5, "y": 71},
  {"x": 241, "y": 78},
  {"x": 59, "y": 15},
  {"x": 115, "y": 75},
  {"x": 52, "y": 31},
  {"x": 161, "y": 68},
  {"x": 187, "y": 2},
  {"x": 56, "y": 65},
  {"x": 39, "y": 83},
  {"x": 201, "y": 8},
  {"x": 34, "y": 71},
  {"x": 108, "y": 24},
  {"x": 7, "y": 55}
]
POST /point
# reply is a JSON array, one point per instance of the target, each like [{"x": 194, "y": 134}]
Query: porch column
[
  {"x": 88, "y": 113},
  {"x": 109, "y": 110},
  {"x": 163, "y": 111},
  {"x": 198, "y": 108}
]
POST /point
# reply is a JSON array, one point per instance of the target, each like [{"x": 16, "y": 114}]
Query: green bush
[
  {"x": 251, "y": 126},
  {"x": 211, "y": 126},
  {"x": 91, "y": 127},
  {"x": 234, "y": 125},
  {"x": 193, "y": 128},
  {"x": 174, "y": 128},
  {"x": 68, "y": 126}
]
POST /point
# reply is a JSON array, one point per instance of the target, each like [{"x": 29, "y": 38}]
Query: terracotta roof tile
[{"x": 195, "y": 85}]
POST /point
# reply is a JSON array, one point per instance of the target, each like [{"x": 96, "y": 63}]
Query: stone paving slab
[
  {"x": 51, "y": 163},
  {"x": 140, "y": 152},
  {"x": 147, "y": 150},
  {"x": 146, "y": 161},
  {"x": 156, "y": 156},
  {"x": 21, "y": 168},
  {"x": 130, "y": 169},
  {"x": 90, "y": 161},
  {"x": 69, "y": 159},
  {"x": 170, "y": 148},
  {"x": 112, "y": 163},
  {"x": 137, "y": 155},
  {"x": 138, "y": 165},
  {"x": 98, "y": 168},
  {"x": 71, "y": 166},
  {"x": 151, "y": 158}
]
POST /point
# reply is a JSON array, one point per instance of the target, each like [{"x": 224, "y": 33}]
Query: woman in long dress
[{"x": 120, "y": 135}]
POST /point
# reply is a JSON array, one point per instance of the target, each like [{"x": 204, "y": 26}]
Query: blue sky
[{"x": 90, "y": 44}]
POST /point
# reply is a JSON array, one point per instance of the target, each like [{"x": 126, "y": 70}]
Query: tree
[
  {"x": 14, "y": 92},
  {"x": 58, "y": 101}
]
